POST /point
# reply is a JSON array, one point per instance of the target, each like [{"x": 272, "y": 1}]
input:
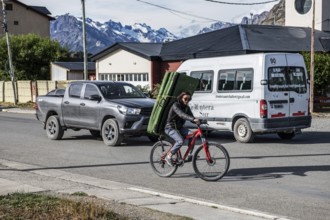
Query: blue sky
[{"x": 129, "y": 12}]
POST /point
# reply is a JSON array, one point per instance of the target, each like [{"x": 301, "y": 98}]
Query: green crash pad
[{"x": 172, "y": 85}]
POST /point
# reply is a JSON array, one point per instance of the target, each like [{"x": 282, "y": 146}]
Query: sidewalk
[{"x": 18, "y": 177}]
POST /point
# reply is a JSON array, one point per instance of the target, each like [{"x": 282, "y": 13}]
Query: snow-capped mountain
[{"x": 67, "y": 29}]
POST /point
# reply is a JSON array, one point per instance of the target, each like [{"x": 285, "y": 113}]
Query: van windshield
[{"x": 287, "y": 79}]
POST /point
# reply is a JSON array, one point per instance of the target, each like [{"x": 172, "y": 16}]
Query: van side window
[
  {"x": 235, "y": 80},
  {"x": 205, "y": 80},
  {"x": 75, "y": 90}
]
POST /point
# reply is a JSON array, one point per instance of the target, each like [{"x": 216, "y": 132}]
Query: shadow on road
[
  {"x": 272, "y": 172},
  {"x": 75, "y": 167}
]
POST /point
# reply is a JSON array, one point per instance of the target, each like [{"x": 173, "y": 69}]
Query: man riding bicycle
[{"x": 178, "y": 114}]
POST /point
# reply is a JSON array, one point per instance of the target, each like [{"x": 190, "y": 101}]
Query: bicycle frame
[{"x": 195, "y": 135}]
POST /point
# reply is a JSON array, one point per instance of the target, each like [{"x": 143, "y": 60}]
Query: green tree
[
  {"x": 321, "y": 72},
  {"x": 31, "y": 56}
]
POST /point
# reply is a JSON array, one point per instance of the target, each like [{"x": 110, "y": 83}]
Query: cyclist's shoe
[
  {"x": 189, "y": 158},
  {"x": 169, "y": 160},
  {"x": 179, "y": 161}
]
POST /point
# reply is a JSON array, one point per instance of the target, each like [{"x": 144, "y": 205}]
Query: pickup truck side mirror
[
  {"x": 95, "y": 97},
  {"x": 147, "y": 94}
]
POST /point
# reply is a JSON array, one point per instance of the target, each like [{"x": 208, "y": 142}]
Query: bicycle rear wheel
[
  {"x": 215, "y": 168},
  {"x": 157, "y": 159}
]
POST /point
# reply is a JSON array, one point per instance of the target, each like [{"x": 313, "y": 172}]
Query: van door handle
[
  {"x": 291, "y": 100},
  {"x": 66, "y": 102},
  {"x": 82, "y": 104},
  {"x": 286, "y": 94}
]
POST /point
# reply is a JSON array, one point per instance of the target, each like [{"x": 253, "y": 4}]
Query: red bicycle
[{"x": 210, "y": 160}]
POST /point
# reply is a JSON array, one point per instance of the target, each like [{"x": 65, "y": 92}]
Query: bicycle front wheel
[
  {"x": 157, "y": 159},
  {"x": 215, "y": 166}
]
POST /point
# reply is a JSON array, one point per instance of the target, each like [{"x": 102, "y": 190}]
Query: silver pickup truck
[{"x": 112, "y": 110}]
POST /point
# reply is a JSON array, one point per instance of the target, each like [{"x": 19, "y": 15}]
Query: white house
[
  {"x": 129, "y": 62},
  {"x": 300, "y": 13},
  {"x": 71, "y": 71}
]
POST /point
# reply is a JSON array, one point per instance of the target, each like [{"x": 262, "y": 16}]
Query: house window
[
  {"x": 126, "y": 77},
  {"x": 9, "y": 7},
  {"x": 16, "y": 23}
]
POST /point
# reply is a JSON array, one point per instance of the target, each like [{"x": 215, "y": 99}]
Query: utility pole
[
  {"x": 251, "y": 14},
  {"x": 311, "y": 87},
  {"x": 84, "y": 40},
  {"x": 11, "y": 68}
]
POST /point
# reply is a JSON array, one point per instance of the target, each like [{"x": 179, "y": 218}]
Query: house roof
[
  {"x": 239, "y": 39},
  {"x": 76, "y": 65},
  {"x": 243, "y": 39},
  {"x": 39, "y": 9},
  {"x": 149, "y": 51}
]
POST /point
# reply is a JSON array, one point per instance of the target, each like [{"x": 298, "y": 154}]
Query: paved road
[{"x": 286, "y": 178}]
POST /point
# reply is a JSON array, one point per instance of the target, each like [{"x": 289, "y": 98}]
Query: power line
[
  {"x": 238, "y": 3},
  {"x": 179, "y": 12}
]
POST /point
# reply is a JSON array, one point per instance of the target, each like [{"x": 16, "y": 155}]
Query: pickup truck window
[
  {"x": 116, "y": 91},
  {"x": 90, "y": 90},
  {"x": 75, "y": 90}
]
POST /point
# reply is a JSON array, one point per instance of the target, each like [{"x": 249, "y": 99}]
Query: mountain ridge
[{"x": 67, "y": 30}]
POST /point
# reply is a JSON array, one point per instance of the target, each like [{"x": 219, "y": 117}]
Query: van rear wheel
[
  {"x": 286, "y": 135},
  {"x": 242, "y": 131}
]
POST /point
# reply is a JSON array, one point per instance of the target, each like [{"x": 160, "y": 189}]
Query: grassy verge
[
  {"x": 37, "y": 206},
  {"x": 78, "y": 205}
]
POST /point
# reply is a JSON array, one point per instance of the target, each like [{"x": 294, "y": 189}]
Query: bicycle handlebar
[{"x": 202, "y": 122}]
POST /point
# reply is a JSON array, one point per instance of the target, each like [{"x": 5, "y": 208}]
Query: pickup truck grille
[{"x": 146, "y": 111}]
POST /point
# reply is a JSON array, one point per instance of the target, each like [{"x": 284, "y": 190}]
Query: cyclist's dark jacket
[{"x": 177, "y": 116}]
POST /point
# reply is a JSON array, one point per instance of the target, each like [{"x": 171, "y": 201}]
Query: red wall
[{"x": 158, "y": 70}]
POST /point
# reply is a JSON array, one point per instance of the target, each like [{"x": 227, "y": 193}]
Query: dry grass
[
  {"x": 37, "y": 206},
  {"x": 78, "y": 205},
  {"x": 19, "y": 105}
]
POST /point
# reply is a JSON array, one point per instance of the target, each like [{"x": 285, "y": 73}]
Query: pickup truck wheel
[
  {"x": 242, "y": 131},
  {"x": 110, "y": 133},
  {"x": 54, "y": 129}
]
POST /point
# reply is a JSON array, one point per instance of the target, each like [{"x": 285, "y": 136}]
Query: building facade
[
  {"x": 300, "y": 13},
  {"x": 24, "y": 19},
  {"x": 62, "y": 71}
]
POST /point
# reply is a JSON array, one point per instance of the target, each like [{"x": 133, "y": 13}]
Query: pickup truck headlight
[{"x": 128, "y": 111}]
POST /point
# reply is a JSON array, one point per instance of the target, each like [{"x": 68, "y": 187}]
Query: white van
[{"x": 252, "y": 94}]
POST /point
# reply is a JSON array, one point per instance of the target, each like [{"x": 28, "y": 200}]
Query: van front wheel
[{"x": 242, "y": 131}]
